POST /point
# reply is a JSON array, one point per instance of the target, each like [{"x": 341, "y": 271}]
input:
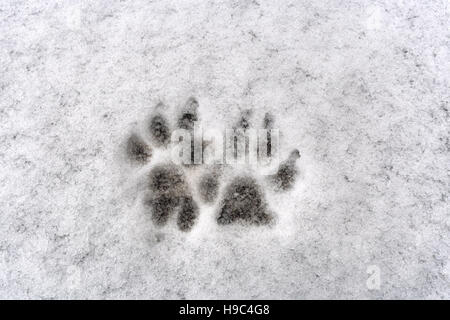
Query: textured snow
[{"x": 361, "y": 88}]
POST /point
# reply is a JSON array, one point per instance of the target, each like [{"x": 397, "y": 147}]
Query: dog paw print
[{"x": 175, "y": 189}]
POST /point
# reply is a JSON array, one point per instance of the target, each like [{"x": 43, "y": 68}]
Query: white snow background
[{"x": 361, "y": 88}]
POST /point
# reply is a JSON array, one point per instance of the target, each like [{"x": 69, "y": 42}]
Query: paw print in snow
[{"x": 239, "y": 200}]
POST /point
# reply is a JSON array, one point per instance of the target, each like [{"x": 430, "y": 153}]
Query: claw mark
[
  {"x": 268, "y": 121},
  {"x": 186, "y": 121},
  {"x": 244, "y": 121},
  {"x": 189, "y": 115},
  {"x": 243, "y": 201},
  {"x": 137, "y": 149}
]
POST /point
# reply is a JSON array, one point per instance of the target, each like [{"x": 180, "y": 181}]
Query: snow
[{"x": 361, "y": 88}]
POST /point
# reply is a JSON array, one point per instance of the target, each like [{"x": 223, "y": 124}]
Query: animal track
[
  {"x": 137, "y": 149},
  {"x": 241, "y": 200}
]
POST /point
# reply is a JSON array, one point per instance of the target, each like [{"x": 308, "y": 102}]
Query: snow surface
[{"x": 361, "y": 88}]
